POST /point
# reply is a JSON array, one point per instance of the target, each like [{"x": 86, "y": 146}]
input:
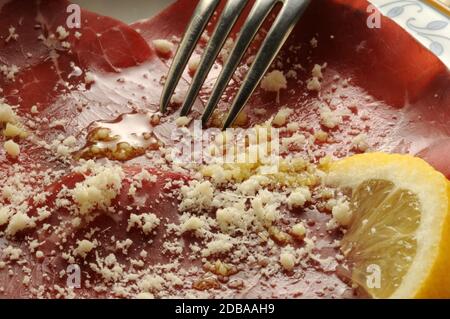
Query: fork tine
[
  {"x": 290, "y": 13},
  {"x": 197, "y": 25},
  {"x": 259, "y": 13},
  {"x": 228, "y": 18}
]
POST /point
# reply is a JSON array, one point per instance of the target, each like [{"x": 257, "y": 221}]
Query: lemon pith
[{"x": 400, "y": 224}]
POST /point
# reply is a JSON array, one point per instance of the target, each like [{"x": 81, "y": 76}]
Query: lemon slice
[{"x": 398, "y": 241}]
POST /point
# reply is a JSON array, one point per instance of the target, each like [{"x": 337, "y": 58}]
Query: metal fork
[{"x": 290, "y": 13}]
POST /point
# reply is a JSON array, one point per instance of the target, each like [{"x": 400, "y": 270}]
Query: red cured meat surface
[
  {"x": 398, "y": 84},
  {"x": 393, "y": 78}
]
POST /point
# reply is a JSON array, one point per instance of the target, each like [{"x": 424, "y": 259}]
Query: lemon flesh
[{"x": 400, "y": 225}]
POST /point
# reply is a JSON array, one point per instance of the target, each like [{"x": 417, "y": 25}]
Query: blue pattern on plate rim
[{"x": 429, "y": 26}]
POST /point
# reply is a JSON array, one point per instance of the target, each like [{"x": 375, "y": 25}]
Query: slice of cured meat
[
  {"x": 137, "y": 216},
  {"x": 76, "y": 78},
  {"x": 382, "y": 75}
]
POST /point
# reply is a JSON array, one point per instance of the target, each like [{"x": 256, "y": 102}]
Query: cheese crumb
[
  {"x": 321, "y": 136},
  {"x": 163, "y": 46},
  {"x": 297, "y": 140},
  {"x": 39, "y": 254},
  {"x": 192, "y": 224},
  {"x": 99, "y": 190},
  {"x": 7, "y": 114},
  {"x": 317, "y": 71},
  {"x": 217, "y": 246},
  {"x": 151, "y": 283},
  {"x": 293, "y": 127},
  {"x": 26, "y": 280},
  {"x": 12, "y": 34},
  {"x": 17, "y": 223},
  {"x": 226, "y": 50},
  {"x": 229, "y": 216},
  {"x": 12, "y": 130},
  {"x": 178, "y": 98},
  {"x": 12, "y": 148},
  {"x": 274, "y": 82},
  {"x": 252, "y": 185},
  {"x": 197, "y": 196},
  {"x": 84, "y": 247},
  {"x": 281, "y": 117},
  {"x": 287, "y": 260},
  {"x": 145, "y": 295},
  {"x": 328, "y": 118},
  {"x": 313, "y": 84},
  {"x": 12, "y": 253},
  {"x": 299, "y": 197},
  {"x": 89, "y": 78},
  {"x": 5, "y": 213},
  {"x": 299, "y": 230},
  {"x": 9, "y": 71},
  {"x": 360, "y": 143},
  {"x": 62, "y": 32},
  {"x": 342, "y": 213},
  {"x": 146, "y": 222},
  {"x": 194, "y": 62},
  {"x": 182, "y": 121}
]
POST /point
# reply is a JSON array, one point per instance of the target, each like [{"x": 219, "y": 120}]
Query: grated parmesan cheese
[
  {"x": 89, "y": 78},
  {"x": 194, "y": 62},
  {"x": 192, "y": 224},
  {"x": 151, "y": 283},
  {"x": 12, "y": 130},
  {"x": 146, "y": 222},
  {"x": 12, "y": 148},
  {"x": 7, "y": 115},
  {"x": 274, "y": 82},
  {"x": 342, "y": 213},
  {"x": 17, "y": 223},
  {"x": 84, "y": 247},
  {"x": 99, "y": 190},
  {"x": 293, "y": 127},
  {"x": 221, "y": 245},
  {"x": 162, "y": 46},
  {"x": 360, "y": 143},
  {"x": 299, "y": 197},
  {"x": 317, "y": 71},
  {"x": 12, "y": 34},
  {"x": 9, "y": 71},
  {"x": 5, "y": 213},
  {"x": 62, "y": 32},
  {"x": 328, "y": 118},
  {"x": 281, "y": 117},
  {"x": 197, "y": 195},
  {"x": 182, "y": 121},
  {"x": 287, "y": 260},
  {"x": 313, "y": 84},
  {"x": 299, "y": 230},
  {"x": 12, "y": 253}
]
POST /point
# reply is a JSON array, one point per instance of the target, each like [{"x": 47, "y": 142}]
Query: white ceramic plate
[{"x": 424, "y": 22}]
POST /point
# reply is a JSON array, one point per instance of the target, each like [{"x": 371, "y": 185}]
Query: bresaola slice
[
  {"x": 367, "y": 82},
  {"x": 54, "y": 79},
  {"x": 402, "y": 98},
  {"x": 58, "y": 232},
  {"x": 51, "y": 64},
  {"x": 43, "y": 53},
  {"x": 74, "y": 77}
]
